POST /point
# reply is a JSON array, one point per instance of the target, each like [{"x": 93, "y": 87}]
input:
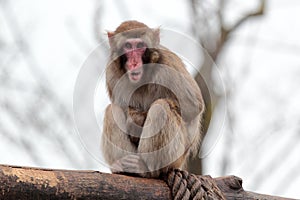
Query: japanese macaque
[{"x": 153, "y": 122}]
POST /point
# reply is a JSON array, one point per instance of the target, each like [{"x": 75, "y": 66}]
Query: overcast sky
[{"x": 262, "y": 58}]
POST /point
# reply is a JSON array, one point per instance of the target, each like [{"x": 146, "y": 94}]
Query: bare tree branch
[
  {"x": 205, "y": 76},
  {"x": 258, "y": 12}
]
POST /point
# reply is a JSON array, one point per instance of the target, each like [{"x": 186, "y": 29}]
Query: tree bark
[{"x": 35, "y": 183}]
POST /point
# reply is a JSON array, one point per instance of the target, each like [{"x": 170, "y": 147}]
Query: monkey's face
[{"x": 132, "y": 48}]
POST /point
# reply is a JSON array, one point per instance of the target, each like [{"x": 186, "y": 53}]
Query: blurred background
[{"x": 255, "y": 45}]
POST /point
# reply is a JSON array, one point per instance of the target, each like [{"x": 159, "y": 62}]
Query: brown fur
[
  {"x": 130, "y": 25},
  {"x": 132, "y": 126}
]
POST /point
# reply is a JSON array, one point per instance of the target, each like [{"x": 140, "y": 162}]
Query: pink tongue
[{"x": 134, "y": 60}]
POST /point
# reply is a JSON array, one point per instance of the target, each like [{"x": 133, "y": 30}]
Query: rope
[{"x": 186, "y": 186}]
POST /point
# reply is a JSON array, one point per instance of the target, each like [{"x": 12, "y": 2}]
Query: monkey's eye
[
  {"x": 128, "y": 45},
  {"x": 140, "y": 45}
]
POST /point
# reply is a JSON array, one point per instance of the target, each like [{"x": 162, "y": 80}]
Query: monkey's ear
[
  {"x": 156, "y": 33},
  {"x": 110, "y": 35}
]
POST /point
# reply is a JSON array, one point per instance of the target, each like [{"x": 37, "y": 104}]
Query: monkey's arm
[
  {"x": 179, "y": 81},
  {"x": 115, "y": 142}
]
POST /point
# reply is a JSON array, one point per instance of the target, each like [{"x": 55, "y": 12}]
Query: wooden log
[
  {"x": 231, "y": 187},
  {"x": 35, "y": 183}
]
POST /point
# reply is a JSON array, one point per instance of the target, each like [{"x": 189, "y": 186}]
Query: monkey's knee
[
  {"x": 156, "y": 118},
  {"x": 160, "y": 109},
  {"x": 168, "y": 104},
  {"x": 161, "y": 119},
  {"x": 165, "y": 109}
]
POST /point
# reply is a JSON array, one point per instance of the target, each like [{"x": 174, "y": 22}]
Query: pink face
[{"x": 134, "y": 48}]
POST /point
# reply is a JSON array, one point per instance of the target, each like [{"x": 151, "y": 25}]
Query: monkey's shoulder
[{"x": 171, "y": 59}]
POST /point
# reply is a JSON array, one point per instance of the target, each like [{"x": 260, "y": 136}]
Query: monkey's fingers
[
  {"x": 116, "y": 168},
  {"x": 130, "y": 161},
  {"x": 134, "y": 164}
]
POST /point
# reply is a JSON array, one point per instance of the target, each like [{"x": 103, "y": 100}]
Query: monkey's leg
[
  {"x": 163, "y": 142},
  {"x": 115, "y": 142}
]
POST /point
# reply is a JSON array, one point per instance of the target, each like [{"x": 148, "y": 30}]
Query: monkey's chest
[{"x": 145, "y": 96}]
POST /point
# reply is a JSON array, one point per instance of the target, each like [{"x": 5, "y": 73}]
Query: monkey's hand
[
  {"x": 130, "y": 164},
  {"x": 135, "y": 122}
]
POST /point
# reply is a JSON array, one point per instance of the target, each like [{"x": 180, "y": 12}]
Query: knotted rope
[{"x": 186, "y": 186}]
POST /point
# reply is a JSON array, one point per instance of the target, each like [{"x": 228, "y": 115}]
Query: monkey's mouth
[{"x": 135, "y": 75}]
